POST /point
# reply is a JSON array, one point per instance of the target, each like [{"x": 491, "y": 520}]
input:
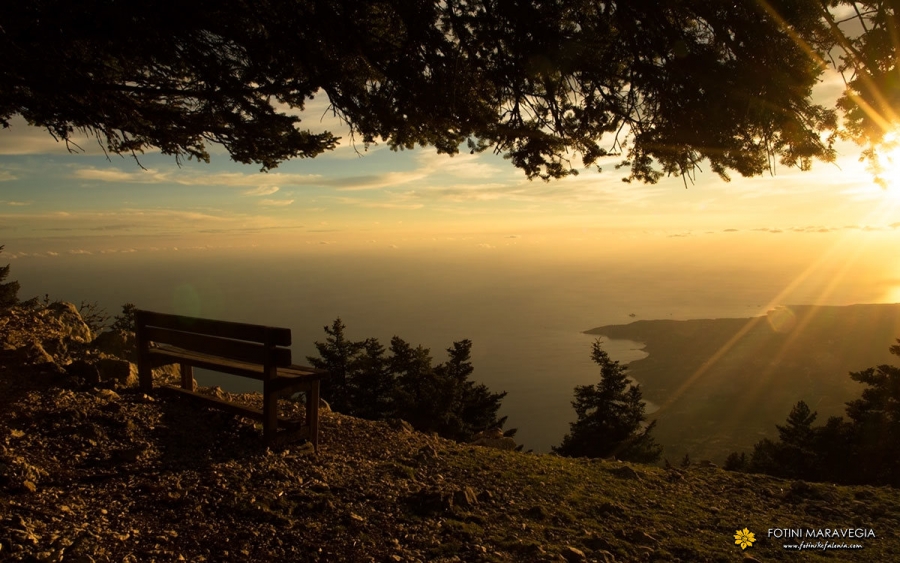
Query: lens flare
[
  {"x": 781, "y": 319},
  {"x": 186, "y": 300}
]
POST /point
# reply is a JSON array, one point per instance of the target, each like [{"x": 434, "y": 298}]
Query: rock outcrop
[
  {"x": 51, "y": 334},
  {"x": 118, "y": 343},
  {"x": 494, "y": 438},
  {"x": 56, "y": 339}
]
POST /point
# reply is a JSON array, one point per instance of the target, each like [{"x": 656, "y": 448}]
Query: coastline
[{"x": 722, "y": 384}]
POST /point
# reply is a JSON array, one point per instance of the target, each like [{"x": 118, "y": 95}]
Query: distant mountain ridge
[{"x": 723, "y": 384}]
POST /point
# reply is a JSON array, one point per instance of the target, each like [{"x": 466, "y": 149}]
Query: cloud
[
  {"x": 262, "y": 190},
  {"x": 22, "y": 139},
  {"x": 381, "y": 205},
  {"x": 730, "y": 231},
  {"x": 117, "y": 227},
  {"x": 79, "y": 251},
  {"x": 6, "y": 176},
  {"x": 375, "y": 181},
  {"x": 486, "y": 245},
  {"x": 148, "y": 176},
  {"x": 513, "y": 236},
  {"x": 51, "y": 253},
  {"x": 276, "y": 202},
  {"x": 470, "y": 166},
  {"x": 259, "y": 183},
  {"x": 18, "y": 203}
]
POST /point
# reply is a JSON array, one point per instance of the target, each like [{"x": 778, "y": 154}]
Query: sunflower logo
[{"x": 744, "y": 538}]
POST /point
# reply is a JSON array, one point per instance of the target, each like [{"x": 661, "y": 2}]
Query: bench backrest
[{"x": 256, "y": 344}]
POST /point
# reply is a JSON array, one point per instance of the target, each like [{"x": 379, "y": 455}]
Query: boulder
[
  {"x": 118, "y": 343},
  {"x": 56, "y": 331},
  {"x": 503, "y": 443},
  {"x": 56, "y": 346},
  {"x": 32, "y": 353},
  {"x": 494, "y": 438},
  {"x": 573, "y": 554},
  {"x": 121, "y": 371},
  {"x": 70, "y": 322},
  {"x": 84, "y": 370},
  {"x": 465, "y": 497},
  {"x": 400, "y": 425}
]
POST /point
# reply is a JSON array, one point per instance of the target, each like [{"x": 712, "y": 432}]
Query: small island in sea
[{"x": 723, "y": 384}]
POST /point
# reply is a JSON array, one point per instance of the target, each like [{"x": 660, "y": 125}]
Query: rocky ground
[{"x": 97, "y": 471}]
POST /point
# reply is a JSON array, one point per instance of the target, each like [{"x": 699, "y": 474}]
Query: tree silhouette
[
  {"x": 372, "y": 384},
  {"x": 367, "y": 383},
  {"x": 9, "y": 291},
  {"x": 663, "y": 85},
  {"x": 865, "y": 449},
  {"x": 610, "y": 417},
  {"x": 875, "y": 424},
  {"x": 337, "y": 355}
]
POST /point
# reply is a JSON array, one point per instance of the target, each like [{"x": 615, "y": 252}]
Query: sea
[{"x": 524, "y": 314}]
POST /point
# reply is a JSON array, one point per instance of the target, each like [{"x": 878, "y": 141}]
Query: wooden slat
[
  {"x": 167, "y": 355},
  {"x": 294, "y": 369},
  {"x": 214, "y": 346},
  {"x": 226, "y": 329}
]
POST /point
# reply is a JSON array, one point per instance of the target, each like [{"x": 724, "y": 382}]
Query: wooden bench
[{"x": 254, "y": 351}]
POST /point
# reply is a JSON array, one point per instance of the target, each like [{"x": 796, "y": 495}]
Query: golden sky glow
[{"x": 55, "y": 203}]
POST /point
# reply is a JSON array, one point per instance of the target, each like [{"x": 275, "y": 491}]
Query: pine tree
[
  {"x": 736, "y": 462},
  {"x": 9, "y": 292},
  {"x": 794, "y": 455},
  {"x": 365, "y": 383},
  {"x": 862, "y": 450},
  {"x": 464, "y": 406},
  {"x": 416, "y": 389},
  {"x": 338, "y": 355},
  {"x": 125, "y": 321},
  {"x": 372, "y": 384},
  {"x": 875, "y": 424},
  {"x": 610, "y": 417}
]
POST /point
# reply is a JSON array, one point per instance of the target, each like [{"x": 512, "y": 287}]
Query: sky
[{"x": 54, "y": 203}]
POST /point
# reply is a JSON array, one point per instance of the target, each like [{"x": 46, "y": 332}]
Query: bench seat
[{"x": 286, "y": 377}]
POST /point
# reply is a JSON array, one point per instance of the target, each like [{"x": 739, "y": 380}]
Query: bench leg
[
  {"x": 270, "y": 412},
  {"x": 145, "y": 375},
  {"x": 312, "y": 414},
  {"x": 187, "y": 377}
]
